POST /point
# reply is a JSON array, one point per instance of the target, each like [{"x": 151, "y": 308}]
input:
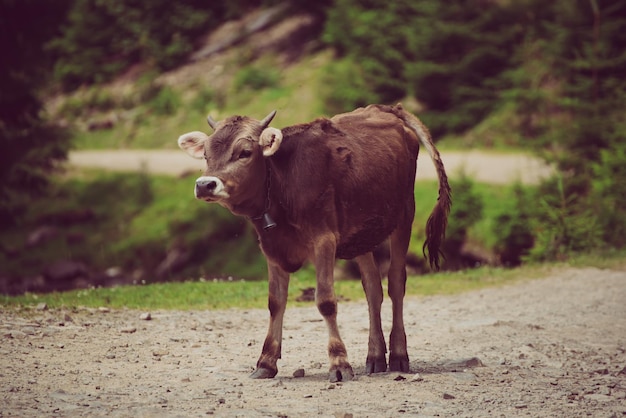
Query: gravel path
[
  {"x": 551, "y": 347},
  {"x": 494, "y": 168}
]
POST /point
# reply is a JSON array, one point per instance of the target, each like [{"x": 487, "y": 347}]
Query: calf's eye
[{"x": 245, "y": 154}]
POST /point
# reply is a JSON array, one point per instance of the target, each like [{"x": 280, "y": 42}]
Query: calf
[{"x": 332, "y": 188}]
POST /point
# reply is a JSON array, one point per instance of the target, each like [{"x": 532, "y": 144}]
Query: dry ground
[{"x": 548, "y": 347}]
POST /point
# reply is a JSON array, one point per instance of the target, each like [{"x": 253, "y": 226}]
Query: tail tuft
[{"x": 436, "y": 228}]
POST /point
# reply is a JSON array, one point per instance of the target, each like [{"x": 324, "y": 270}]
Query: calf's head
[{"x": 235, "y": 152}]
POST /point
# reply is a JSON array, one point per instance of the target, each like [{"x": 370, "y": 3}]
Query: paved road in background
[{"x": 487, "y": 167}]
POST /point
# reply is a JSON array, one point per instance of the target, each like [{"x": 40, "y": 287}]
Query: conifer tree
[{"x": 30, "y": 145}]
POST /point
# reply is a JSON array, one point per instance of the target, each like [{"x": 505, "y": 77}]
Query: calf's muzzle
[{"x": 209, "y": 187}]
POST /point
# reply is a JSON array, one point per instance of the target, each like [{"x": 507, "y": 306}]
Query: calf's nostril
[
  {"x": 211, "y": 185},
  {"x": 208, "y": 185}
]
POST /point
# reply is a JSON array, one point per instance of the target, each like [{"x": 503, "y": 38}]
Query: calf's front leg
[
  {"x": 278, "y": 279},
  {"x": 326, "y": 301}
]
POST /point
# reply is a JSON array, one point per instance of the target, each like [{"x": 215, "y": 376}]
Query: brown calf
[{"x": 332, "y": 188}]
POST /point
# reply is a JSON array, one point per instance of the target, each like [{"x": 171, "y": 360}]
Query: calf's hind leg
[
  {"x": 399, "y": 244},
  {"x": 376, "y": 361}
]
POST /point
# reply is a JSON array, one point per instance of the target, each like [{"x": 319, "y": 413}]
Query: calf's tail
[{"x": 438, "y": 219}]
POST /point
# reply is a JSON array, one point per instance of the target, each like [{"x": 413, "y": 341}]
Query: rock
[
  {"x": 102, "y": 123},
  {"x": 460, "y": 365},
  {"x": 417, "y": 378},
  {"x": 145, "y": 316},
  {"x": 18, "y": 335},
  {"x": 277, "y": 384},
  {"x": 448, "y": 396},
  {"x": 464, "y": 376},
  {"x": 28, "y": 330},
  {"x": 42, "y": 306},
  {"x": 298, "y": 373},
  {"x": 174, "y": 261},
  {"x": 104, "y": 309},
  {"x": 41, "y": 235},
  {"x": 343, "y": 415},
  {"x": 128, "y": 330},
  {"x": 62, "y": 274},
  {"x": 49, "y": 332},
  {"x": 399, "y": 378},
  {"x": 598, "y": 397},
  {"x": 308, "y": 295}
]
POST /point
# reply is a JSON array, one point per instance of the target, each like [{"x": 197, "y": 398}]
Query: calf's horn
[
  {"x": 266, "y": 120},
  {"x": 211, "y": 121}
]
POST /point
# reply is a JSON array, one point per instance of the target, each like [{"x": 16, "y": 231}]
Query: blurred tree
[
  {"x": 459, "y": 51},
  {"x": 30, "y": 146},
  {"x": 449, "y": 55},
  {"x": 103, "y": 37},
  {"x": 572, "y": 108},
  {"x": 372, "y": 35}
]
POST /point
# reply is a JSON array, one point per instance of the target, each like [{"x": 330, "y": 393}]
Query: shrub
[
  {"x": 467, "y": 209},
  {"x": 166, "y": 102},
  {"x": 513, "y": 230},
  {"x": 203, "y": 99},
  {"x": 566, "y": 223},
  {"x": 345, "y": 87},
  {"x": 609, "y": 194},
  {"x": 255, "y": 78}
]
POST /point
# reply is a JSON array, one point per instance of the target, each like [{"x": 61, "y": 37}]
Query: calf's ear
[
  {"x": 270, "y": 141},
  {"x": 193, "y": 143}
]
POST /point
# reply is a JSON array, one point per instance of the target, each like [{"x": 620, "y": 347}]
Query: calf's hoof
[
  {"x": 341, "y": 374},
  {"x": 375, "y": 366},
  {"x": 399, "y": 364},
  {"x": 263, "y": 373}
]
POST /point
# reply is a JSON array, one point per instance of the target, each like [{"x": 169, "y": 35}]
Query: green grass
[
  {"x": 163, "y": 116},
  {"x": 247, "y": 294},
  {"x": 253, "y": 294}
]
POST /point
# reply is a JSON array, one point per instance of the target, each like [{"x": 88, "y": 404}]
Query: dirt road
[
  {"x": 494, "y": 168},
  {"x": 552, "y": 347}
]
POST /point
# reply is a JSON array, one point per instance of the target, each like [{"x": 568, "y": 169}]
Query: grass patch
[
  {"x": 239, "y": 294},
  {"x": 161, "y": 114},
  {"x": 192, "y": 295}
]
